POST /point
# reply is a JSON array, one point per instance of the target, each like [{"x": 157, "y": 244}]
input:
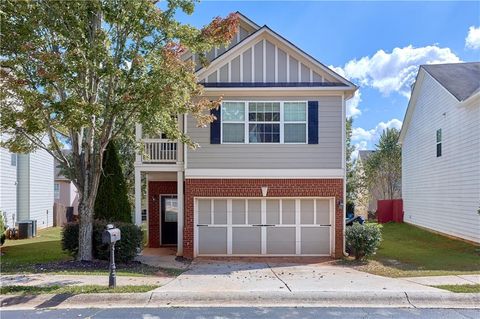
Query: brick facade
[
  {"x": 155, "y": 189},
  {"x": 252, "y": 188}
]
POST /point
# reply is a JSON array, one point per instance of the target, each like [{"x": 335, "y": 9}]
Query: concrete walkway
[
  {"x": 45, "y": 280},
  {"x": 236, "y": 276},
  {"x": 445, "y": 280},
  {"x": 164, "y": 257}
]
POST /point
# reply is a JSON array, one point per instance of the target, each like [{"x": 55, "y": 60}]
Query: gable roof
[
  {"x": 257, "y": 35},
  {"x": 365, "y": 154},
  {"x": 462, "y": 80}
]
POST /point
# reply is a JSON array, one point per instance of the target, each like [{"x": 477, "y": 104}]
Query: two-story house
[
  {"x": 440, "y": 140},
  {"x": 268, "y": 177}
]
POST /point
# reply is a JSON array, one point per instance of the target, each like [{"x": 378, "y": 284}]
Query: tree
[
  {"x": 111, "y": 203},
  {"x": 350, "y": 174},
  {"x": 361, "y": 194},
  {"x": 384, "y": 167},
  {"x": 80, "y": 72}
]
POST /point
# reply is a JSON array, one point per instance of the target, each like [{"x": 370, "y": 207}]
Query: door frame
[
  {"x": 160, "y": 224},
  {"x": 331, "y": 200}
]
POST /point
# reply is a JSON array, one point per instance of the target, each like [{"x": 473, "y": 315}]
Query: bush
[
  {"x": 125, "y": 250},
  {"x": 363, "y": 240},
  {"x": 112, "y": 203},
  {"x": 2, "y": 229}
]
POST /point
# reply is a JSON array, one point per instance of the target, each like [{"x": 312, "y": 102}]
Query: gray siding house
[
  {"x": 26, "y": 187},
  {"x": 268, "y": 175},
  {"x": 440, "y": 141}
]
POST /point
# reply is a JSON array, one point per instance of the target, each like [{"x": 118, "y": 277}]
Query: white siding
[
  {"x": 442, "y": 193},
  {"x": 8, "y": 185},
  {"x": 41, "y": 188},
  {"x": 23, "y": 187}
]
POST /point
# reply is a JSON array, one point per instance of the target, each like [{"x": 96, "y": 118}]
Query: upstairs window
[
  {"x": 439, "y": 142},
  {"x": 56, "y": 190},
  {"x": 264, "y": 122},
  {"x": 13, "y": 159}
]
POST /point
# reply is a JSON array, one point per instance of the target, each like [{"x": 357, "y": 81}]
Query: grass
[
  {"x": 72, "y": 290},
  {"x": 408, "y": 251},
  {"x": 24, "y": 255},
  {"x": 21, "y": 254},
  {"x": 460, "y": 288}
]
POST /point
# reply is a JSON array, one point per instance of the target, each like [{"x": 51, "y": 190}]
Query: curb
[{"x": 245, "y": 299}]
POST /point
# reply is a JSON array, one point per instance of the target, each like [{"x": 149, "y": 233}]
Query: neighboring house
[
  {"x": 440, "y": 141},
  {"x": 268, "y": 177},
  {"x": 65, "y": 192},
  {"x": 26, "y": 187}
]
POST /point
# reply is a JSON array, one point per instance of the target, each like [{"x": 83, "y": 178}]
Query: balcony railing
[{"x": 159, "y": 151}]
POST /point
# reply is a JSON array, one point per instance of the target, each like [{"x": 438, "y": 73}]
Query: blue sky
[{"x": 377, "y": 45}]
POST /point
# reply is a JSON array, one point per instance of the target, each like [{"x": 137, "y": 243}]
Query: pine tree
[{"x": 112, "y": 202}]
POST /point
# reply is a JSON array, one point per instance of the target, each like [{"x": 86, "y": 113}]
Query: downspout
[{"x": 344, "y": 166}]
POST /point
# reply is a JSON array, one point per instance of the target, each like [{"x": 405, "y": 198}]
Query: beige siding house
[
  {"x": 268, "y": 177},
  {"x": 441, "y": 150}
]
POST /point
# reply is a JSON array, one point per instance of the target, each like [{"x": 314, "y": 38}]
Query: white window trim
[{"x": 282, "y": 122}]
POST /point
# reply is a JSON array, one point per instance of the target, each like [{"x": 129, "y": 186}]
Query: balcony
[{"x": 159, "y": 151}]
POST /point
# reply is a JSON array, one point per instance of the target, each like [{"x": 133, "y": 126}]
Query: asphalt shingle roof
[{"x": 460, "y": 79}]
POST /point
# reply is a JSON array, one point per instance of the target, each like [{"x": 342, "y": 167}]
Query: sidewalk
[{"x": 445, "y": 280}]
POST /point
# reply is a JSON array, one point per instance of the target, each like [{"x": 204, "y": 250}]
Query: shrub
[
  {"x": 2, "y": 229},
  {"x": 363, "y": 240},
  {"x": 125, "y": 250},
  {"x": 112, "y": 202}
]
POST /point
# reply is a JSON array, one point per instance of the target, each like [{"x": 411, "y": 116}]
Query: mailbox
[{"x": 110, "y": 235}]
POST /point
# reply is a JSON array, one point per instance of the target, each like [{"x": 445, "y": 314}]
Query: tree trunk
[{"x": 85, "y": 234}]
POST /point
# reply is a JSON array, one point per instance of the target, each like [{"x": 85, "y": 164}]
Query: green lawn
[
  {"x": 461, "y": 288},
  {"x": 21, "y": 254},
  {"x": 408, "y": 251},
  {"x": 72, "y": 290}
]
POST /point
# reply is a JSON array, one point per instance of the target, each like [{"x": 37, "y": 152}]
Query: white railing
[{"x": 159, "y": 151}]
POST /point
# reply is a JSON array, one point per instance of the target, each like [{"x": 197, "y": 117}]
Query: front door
[{"x": 169, "y": 209}]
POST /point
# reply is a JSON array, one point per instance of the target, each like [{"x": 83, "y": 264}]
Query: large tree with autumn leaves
[{"x": 79, "y": 72}]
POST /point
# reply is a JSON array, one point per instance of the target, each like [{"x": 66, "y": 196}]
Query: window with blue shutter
[
  {"x": 215, "y": 126},
  {"x": 312, "y": 122}
]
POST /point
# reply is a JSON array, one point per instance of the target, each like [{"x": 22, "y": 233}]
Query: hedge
[{"x": 125, "y": 250}]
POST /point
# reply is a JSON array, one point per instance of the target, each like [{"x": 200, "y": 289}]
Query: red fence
[{"x": 390, "y": 210}]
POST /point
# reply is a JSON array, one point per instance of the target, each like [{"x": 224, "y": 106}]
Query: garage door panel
[
  {"x": 246, "y": 240},
  {"x": 315, "y": 240},
  {"x": 212, "y": 240},
  {"x": 204, "y": 211},
  {"x": 307, "y": 211},
  {"x": 220, "y": 211},
  {"x": 254, "y": 211},
  {"x": 281, "y": 240},
  {"x": 273, "y": 211},
  {"x": 288, "y": 212},
  {"x": 323, "y": 212},
  {"x": 238, "y": 212}
]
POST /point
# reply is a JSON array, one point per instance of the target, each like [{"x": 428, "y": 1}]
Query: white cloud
[
  {"x": 394, "y": 71},
  {"x": 364, "y": 139},
  {"x": 361, "y": 146},
  {"x": 472, "y": 41},
  {"x": 352, "y": 105}
]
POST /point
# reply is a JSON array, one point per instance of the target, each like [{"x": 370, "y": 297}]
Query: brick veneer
[
  {"x": 252, "y": 188},
  {"x": 155, "y": 189}
]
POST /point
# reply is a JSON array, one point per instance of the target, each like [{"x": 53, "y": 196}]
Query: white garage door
[{"x": 259, "y": 226}]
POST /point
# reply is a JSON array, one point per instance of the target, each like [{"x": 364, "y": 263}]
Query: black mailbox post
[{"x": 110, "y": 236}]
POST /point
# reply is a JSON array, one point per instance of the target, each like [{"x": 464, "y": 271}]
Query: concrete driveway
[{"x": 210, "y": 276}]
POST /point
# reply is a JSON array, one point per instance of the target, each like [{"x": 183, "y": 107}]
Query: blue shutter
[
  {"x": 215, "y": 126},
  {"x": 312, "y": 122}
]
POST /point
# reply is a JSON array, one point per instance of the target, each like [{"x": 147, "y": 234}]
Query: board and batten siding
[
  {"x": 8, "y": 185},
  {"x": 442, "y": 193},
  {"x": 327, "y": 154},
  {"x": 266, "y": 61}
]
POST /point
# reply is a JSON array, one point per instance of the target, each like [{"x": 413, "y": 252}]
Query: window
[
  {"x": 56, "y": 190},
  {"x": 233, "y": 122},
  {"x": 264, "y": 122},
  {"x": 13, "y": 159},
  {"x": 439, "y": 142}
]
